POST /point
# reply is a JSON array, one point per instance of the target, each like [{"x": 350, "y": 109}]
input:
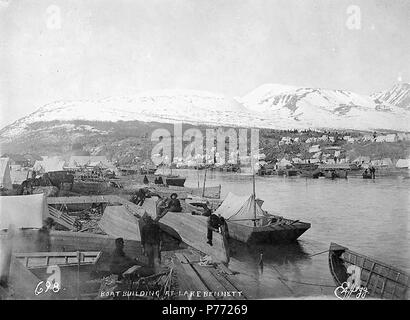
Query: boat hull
[
  {"x": 266, "y": 234},
  {"x": 380, "y": 280},
  {"x": 193, "y": 229},
  {"x": 178, "y": 182}
]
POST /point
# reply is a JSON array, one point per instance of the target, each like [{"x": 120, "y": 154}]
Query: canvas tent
[
  {"x": 284, "y": 163},
  {"x": 49, "y": 165},
  {"x": 5, "y": 178},
  {"x": 23, "y": 211},
  {"x": 403, "y": 163},
  {"x": 118, "y": 222},
  {"x": 241, "y": 209},
  {"x": 361, "y": 159},
  {"x": 385, "y": 162}
]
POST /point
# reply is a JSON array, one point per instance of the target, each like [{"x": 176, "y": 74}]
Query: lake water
[{"x": 367, "y": 216}]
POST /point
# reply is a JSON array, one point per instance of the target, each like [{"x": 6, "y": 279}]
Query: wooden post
[
  {"x": 203, "y": 188},
  {"x": 78, "y": 274},
  {"x": 254, "y": 196}
]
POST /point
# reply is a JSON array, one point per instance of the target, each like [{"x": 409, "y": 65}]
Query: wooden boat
[
  {"x": 79, "y": 259},
  {"x": 291, "y": 172},
  {"x": 38, "y": 260},
  {"x": 342, "y": 174},
  {"x": 174, "y": 180},
  {"x": 192, "y": 230},
  {"x": 306, "y": 166},
  {"x": 315, "y": 174},
  {"x": 337, "y": 173},
  {"x": 380, "y": 280},
  {"x": 354, "y": 166},
  {"x": 249, "y": 223},
  {"x": 367, "y": 175}
]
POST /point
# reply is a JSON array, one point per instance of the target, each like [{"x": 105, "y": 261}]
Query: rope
[
  {"x": 307, "y": 283},
  {"x": 280, "y": 279},
  {"x": 316, "y": 254}
]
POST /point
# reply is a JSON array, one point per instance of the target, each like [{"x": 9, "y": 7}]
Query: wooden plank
[
  {"x": 225, "y": 269},
  {"x": 211, "y": 282},
  {"x": 229, "y": 286},
  {"x": 209, "y": 275},
  {"x": 198, "y": 284}
]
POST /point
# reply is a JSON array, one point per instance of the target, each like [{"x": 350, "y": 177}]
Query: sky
[{"x": 54, "y": 50}]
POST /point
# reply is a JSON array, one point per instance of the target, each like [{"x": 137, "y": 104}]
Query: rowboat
[
  {"x": 81, "y": 259},
  {"x": 379, "y": 279},
  {"x": 50, "y": 275},
  {"x": 249, "y": 223},
  {"x": 40, "y": 260},
  {"x": 174, "y": 181}
]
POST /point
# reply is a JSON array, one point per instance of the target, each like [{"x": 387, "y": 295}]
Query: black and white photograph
[{"x": 183, "y": 151}]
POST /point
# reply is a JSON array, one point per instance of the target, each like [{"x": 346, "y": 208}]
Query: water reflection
[{"x": 271, "y": 254}]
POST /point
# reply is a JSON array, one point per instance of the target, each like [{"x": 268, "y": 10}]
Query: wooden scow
[
  {"x": 381, "y": 280},
  {"x": 249, "y": 223}
]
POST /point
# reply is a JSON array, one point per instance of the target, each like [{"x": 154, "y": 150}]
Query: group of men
[{"x": 151, "y": 234}]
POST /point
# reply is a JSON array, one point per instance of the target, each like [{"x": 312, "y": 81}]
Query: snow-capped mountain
[
  {"x": 269, "y": 106},
  {"x": 324, "y": 108},
  {"x": 167, "y": 106},
  {"x": 398, "y": 96}
]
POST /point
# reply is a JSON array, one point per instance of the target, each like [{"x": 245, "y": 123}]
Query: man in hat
[
  {"x": 174, "y": 205},
  {"x": 120, "y": 262},
  {"x": 151, "y": 241},
  {"x": 140, "y": 196},
  {"x": 214, "y": 223}
]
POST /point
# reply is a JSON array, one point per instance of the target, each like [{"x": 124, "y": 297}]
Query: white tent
[
  {"x": 5, "y": 178},
  {"x": 240, "y": 209},
  {"x": 49, "y": 165},
  {"x": 362, "y": 159},
  {"x": 23, "y": 211},
  {"x": 403, "y": 163},
  {"x": 284, "y": 163}
]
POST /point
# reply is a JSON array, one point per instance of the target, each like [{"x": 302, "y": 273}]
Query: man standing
[
  {"x": 43, "y": 239},
  {"x": 213, "y": 225},
  {"x": 151, "y": 241},
  {"x": 120, "y": 262}
]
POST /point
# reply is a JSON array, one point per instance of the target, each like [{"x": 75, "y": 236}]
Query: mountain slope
[
  {"x": 269, "y": 106},
  {"x": 398, "y": 96},
  {"x": 323, "y": 108}
]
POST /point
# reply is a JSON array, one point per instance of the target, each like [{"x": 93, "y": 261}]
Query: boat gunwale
[{"x": 383, "y": 264}]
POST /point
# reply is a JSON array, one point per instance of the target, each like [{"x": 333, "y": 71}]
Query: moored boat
[
  {"x": 379, "y": 279},
  {"x": 248, "y": 222},
  {"x": 367, "y": 175},
  {"x": 177, "y": 181}
]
